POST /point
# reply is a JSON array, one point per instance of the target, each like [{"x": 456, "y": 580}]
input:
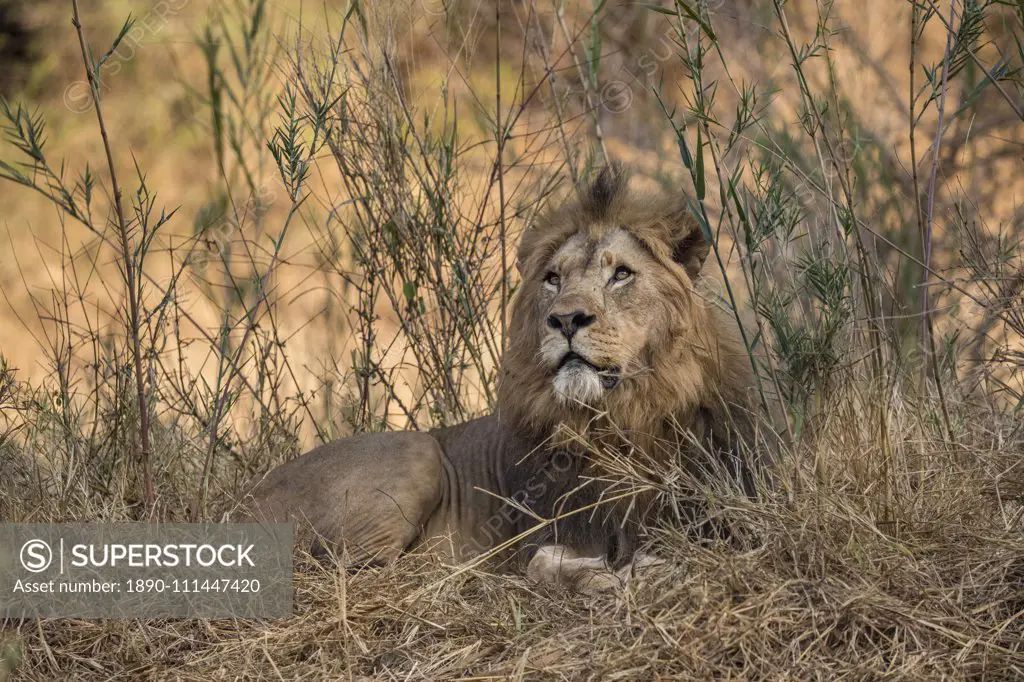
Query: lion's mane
[{"x": 700, "y": 376}]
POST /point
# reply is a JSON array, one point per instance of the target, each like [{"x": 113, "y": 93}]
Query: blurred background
[{"x": 323, "y": 199}]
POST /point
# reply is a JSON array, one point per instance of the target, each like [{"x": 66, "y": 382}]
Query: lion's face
[
  {"x": 598, "y": 310},
  {"x": 607, "y": 319}
]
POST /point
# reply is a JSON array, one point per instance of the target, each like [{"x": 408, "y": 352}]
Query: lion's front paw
[{"x": 560, "y": 565}]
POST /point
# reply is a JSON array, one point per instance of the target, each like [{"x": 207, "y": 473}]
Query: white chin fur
[{"x": 578, "y": 384}]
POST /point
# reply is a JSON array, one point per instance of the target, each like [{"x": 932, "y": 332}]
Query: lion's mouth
[{"x": 609, "y": 376}]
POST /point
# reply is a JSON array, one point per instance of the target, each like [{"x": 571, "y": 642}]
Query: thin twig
[
  {"x": 129, "y": 273},
  {"x": 977, "y": 62},
  {"x": 927, "y": 330},
  {"x": 593, "y": 106},
  {"x": 500, "y": 161}
]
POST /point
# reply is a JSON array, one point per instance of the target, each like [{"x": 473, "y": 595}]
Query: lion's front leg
[{"x": 563, "y": 566}]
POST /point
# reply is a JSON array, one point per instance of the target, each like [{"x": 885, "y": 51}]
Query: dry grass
[
  {"x": 824, "y": 589},
  {"x": 341, "y": 260}
]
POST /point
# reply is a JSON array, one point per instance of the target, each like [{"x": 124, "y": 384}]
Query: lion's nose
[{"x": 570, "y": 323}]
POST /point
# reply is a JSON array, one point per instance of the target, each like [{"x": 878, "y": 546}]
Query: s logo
[{"x": 36, "y": 556}]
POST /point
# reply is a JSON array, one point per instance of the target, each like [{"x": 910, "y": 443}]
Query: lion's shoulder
[{"x": 490, "y": 442}]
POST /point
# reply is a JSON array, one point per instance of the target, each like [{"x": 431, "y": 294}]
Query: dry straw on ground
[{"x": 825, "y": 589}]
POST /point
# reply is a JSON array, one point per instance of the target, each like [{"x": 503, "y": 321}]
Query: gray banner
[{"x": 145, "y": 570}]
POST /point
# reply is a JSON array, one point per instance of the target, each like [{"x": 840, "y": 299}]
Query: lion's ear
[
  {"x": 527, "y": 244},
  {"x": 692, "y": 248}
]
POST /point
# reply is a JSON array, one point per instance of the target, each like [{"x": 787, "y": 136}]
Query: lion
[{"x": 611, "y": 349}]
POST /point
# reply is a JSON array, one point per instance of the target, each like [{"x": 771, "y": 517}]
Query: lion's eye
[
  {"x": 622, "y": 273},
  {"x": 552, "y": 279}
]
